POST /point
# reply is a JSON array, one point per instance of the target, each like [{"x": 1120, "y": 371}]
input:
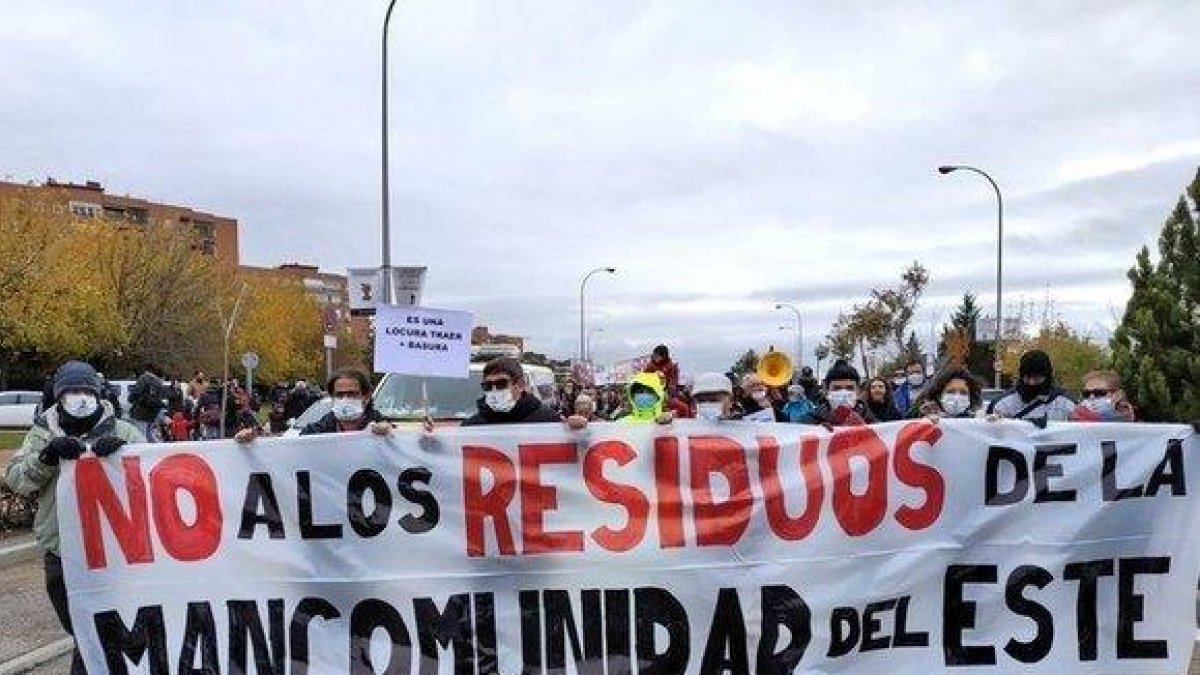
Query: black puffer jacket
[{"x": 527, "y": 410}]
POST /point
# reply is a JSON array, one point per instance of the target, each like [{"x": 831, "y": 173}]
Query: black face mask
[{"x": 1029, "y": 392}]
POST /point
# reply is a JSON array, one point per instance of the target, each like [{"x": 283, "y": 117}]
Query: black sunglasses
[
  {"x": 493, "y": 385},
  {"x": 1096, "y": 393}
]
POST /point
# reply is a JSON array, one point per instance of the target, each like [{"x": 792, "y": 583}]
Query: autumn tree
[
  {"x": 1072, "y": 354},
  {"x": 959, "y": 344},
  {"x": 1156, "y": 348},
  {"x": 281, "y": 323}
]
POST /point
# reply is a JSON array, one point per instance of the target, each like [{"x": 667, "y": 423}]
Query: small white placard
[{"x": 423, "y": 341}]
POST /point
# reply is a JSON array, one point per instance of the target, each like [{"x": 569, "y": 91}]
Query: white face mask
[
  {"x": 841, "y": 399},
  {"x": 955, "y": 404},
  {"x": 709, "y": 412},
  {"x": 80, "y": 406},
  {"x": 1101, "y": 405},
  {"x": 916, "y": 379},
  {"x": 500, "y": 400},
  {"x": 348, "y": 409}
]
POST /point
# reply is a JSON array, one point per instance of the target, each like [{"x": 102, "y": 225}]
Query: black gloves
[
  {"x": 63, "y": 447},
  {"x": 107, "y": 446}
]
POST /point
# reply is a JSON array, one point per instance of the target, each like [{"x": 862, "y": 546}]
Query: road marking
[{"x": 37, "y": 657}]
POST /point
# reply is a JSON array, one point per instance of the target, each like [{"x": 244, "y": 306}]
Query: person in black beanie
[
  {"x": 1034, "y": 398},
  {"x": 79, "y": 421},
  {"x": 842, "y": 406}
]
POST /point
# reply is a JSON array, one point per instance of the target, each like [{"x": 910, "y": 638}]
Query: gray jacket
[{"x": 29, "y": 476}]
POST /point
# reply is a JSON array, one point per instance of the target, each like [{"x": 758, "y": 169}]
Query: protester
[
  {"x": 799, "y": 408},
  {"x": 954, "y": 392},
  {"x": 209, "y": 412},
  {"x": 299, "y": 400},
  {"x": 661, "y": 363},
  {"x": 610, "y": 404},
  {"x": 1103, "y": 399},
  {"x": 880, "y": 401},
  {"x": 647, "y": 400},
  {"x": 79, "y": 421},
  {"x": 352, "y": 409},
  {"x": 756, "y": 403},
  {"x": 277, "y": 415},
  {"x": 1035, "y": 398},
  {"x": 505, "y": 398},
  {"x": 585, "y": 407},
  {"x": 566, "y": 397},
  {"x": 148, "y": 403},
  {"x": 712, "y": 394},
  {"x": 842, "y": 407},
  {"x": 180, "y": 427},
  {"x": 812, "y": 387},
  {"x": 914, "y": 381}
]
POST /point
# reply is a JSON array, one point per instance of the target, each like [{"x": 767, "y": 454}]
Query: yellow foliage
[{"x": 282, "y": 324}]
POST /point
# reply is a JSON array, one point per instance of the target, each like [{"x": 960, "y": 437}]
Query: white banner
[
  {"x": 687, "y": 548},
  {"x": 423, "y": 341}
]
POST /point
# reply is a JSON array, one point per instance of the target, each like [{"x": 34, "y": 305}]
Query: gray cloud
[{"x": 723, "y": 155}]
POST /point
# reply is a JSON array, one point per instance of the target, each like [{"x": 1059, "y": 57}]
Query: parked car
[
  {"x": 316, "y": 411},
  {"x": 17, "y": 408}
]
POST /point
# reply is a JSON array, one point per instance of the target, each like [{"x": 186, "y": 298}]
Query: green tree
[
  {"x": 958, "y": 344},
  {"x": 1156, "y": 348},
  {"x": 746, "y": 363}
]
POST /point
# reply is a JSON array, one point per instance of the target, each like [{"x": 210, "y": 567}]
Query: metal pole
[
  {"x": 582, "y": 329},
  {"x": 996, "y": 365},
  {"x": 225, "y": 368},
  {"x": 387, "y": 235}
]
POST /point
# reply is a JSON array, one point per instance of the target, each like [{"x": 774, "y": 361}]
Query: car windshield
[
  {"x": 316, "y": 411},
  {"x": 399, "y": 397}
]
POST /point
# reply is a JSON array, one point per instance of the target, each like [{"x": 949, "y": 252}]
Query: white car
[
  {"x": 17, "y": 408},
  {"x": 316, "y": 411}
]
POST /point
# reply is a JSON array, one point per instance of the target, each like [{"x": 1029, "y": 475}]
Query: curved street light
[
  {"x": 950, "y": 168},
  {"x": 582, "y": 286},
  {"x": 799, "y": 332}
]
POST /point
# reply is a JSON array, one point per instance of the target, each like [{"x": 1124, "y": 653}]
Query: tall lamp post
[
  {"x": 582, "y": 321},
  {"x": 591, "y": 340},
  {"x": 386, "y": 214},
  {"x": 799, "y": 333},
  {"x": 999, "y": 253}
]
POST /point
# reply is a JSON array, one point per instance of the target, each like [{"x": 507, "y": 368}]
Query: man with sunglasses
[{"x": 506, "y": 399}]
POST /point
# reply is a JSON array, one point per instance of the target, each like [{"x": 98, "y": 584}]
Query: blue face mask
[{"x": 644, "y": 400}]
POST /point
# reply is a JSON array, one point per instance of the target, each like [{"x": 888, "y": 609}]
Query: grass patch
[{"x": 11, "y": 440}]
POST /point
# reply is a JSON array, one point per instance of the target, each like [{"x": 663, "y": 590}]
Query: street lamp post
[
  {"x": 386, "y": 213},
  {"x": 799, "y": 333},
  {"x": 582, "y": 330},
  {"x": 999, "y": 254},
  {"x": 590, "y": 340}
]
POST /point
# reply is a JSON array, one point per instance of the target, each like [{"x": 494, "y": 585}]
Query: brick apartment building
[{"x": 216, "y": 236}]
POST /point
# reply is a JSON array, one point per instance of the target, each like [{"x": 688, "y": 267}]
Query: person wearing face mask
[
  {"x": 880, "y": 401},
  {"x": 1103, "y": 400},
  {"x": 712, "y": 395},
  {"x": 351, "y": 410},
  {"x": 798, "y": 409},
  {"x": 1035, "y": 398},
  {"x": 756, "y": 402},
  {"x": 842, "y": 407},
  {"x": 79, "y": 421},
  {"x": 955, "y": 392},
  {"x": 907, "y": 393},
  {"x": 647, "y": 400},
  {"x": 505, "y": 398}
]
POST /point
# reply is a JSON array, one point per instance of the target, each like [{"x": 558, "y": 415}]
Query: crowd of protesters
[{"x": 81, "y": 413}]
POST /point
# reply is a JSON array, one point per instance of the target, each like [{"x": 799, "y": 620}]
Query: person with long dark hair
[
  {"x": 880, "y": 400},
  {"x": 954, "y": 392}
]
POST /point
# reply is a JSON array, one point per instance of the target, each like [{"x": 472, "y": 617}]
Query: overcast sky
[{"x": 723, "y": 155}]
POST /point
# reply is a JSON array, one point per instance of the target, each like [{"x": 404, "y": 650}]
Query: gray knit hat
[{"x": 76, "y": 375}]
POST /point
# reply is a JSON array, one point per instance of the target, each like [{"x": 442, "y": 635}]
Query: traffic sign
[
  {"x": 365, "y": 286},
  {"x": 249, "y": 360}
]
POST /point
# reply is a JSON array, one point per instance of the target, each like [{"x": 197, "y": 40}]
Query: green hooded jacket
[
  {"x": 28, "y": 476},
  {"x": 655, "y": 384}
]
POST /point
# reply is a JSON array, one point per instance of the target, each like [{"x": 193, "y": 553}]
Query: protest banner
[
  {"x": 423, "y": 341},
  {"x": 690, "y": 548}
]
